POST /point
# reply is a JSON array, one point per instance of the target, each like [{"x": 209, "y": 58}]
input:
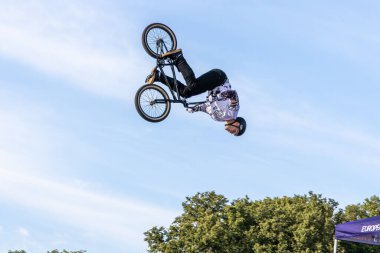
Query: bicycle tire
[
  {"x": 143, "y": 101},
  {"x": 152, "y": 33}
]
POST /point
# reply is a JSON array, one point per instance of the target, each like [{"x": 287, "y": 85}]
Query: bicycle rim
[
  {"x": 148, "y": 108},
  {"x": 156, "y": 33}
]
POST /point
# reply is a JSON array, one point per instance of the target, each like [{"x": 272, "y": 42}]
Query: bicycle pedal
[
  {"x": 151, "y": 77},
  {"x": 173, "y": 54}
]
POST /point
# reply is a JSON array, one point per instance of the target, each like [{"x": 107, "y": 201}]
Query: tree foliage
[
  {"x": 53, "y": 251},
  {"x": 210, "y": 223},
  {"x": 66, "y": 251}
]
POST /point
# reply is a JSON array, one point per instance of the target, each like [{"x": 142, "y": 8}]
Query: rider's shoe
[
  {"x": 173, "y": 54},
  {"x": 154, "y": 76}
]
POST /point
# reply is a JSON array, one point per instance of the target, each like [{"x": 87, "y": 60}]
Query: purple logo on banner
[{"x": 362, "y": 231}]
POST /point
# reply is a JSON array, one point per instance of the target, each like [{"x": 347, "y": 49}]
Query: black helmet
[{"x": 242, "y": 125}]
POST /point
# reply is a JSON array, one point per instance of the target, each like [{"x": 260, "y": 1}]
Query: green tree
[
  {"x": 198, "y": 229},
  {"x": 210, "y": 224},
  {"x": 66, "y": 251},
  {"x": 293, "y": 224},
  {"x": 53, "y": 251}
]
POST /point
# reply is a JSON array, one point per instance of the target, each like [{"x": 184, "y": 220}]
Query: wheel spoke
[
  {"x": 148, "y": 106},
  {"x": 156, "y": 34}
]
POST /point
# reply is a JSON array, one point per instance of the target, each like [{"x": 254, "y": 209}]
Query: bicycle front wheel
[
  {"x": 152, "y": 103},
  {"x": 158, "y": 39}
]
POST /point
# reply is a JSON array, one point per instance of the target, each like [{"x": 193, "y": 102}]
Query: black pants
[{"x": 195, "y": 86}]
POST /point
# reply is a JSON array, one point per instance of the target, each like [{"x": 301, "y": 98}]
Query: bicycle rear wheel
[
  {"x": 158, "y": 39},
  {"x": 147, "y": 105}
]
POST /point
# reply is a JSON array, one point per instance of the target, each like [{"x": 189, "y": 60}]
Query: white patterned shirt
[{"x": 222, "y": 103}]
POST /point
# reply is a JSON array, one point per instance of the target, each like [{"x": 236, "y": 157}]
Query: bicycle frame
[{"x": 161, "y": 63}]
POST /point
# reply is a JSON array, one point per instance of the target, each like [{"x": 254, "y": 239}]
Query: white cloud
[
  {"x": 23, "y": 232},
  {"x": 73, "y": 44},
  {"x": 27, "y": 178},
  {"x": 350, "y": 32},
  {"x": 117, "y": 218},
  {"x": 23, "y": 135},
  {"x": 307, "y": 128},
  {"x": 24, "y": 149}
]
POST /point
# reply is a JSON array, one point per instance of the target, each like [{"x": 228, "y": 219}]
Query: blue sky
[{"x": 79, "y": 169}]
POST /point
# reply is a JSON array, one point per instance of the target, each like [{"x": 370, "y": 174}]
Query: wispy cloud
[
  {"x": 73, "y": 44},
  {"x": 28, "y": 179},
  {"x": 23, "y": 232},
  {"x": 116, "y": 218},
  {"x": 307, "y": 128},
  {"x": 101, "y": 215},
  {"x": 349, "y": 32}
]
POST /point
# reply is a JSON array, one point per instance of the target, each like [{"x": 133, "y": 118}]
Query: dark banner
[{"x": 362, "y": 231}]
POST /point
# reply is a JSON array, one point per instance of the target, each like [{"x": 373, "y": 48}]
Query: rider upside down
[{"x": 222, "y": 102}]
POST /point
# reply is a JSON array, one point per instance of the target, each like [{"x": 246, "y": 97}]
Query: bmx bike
[{"x": 151, "y": 100}]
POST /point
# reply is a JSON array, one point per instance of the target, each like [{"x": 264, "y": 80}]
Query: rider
[{"x": 222, "y": 103}]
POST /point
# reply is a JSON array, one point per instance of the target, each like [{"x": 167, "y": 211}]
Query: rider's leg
[
  {"x": 188, "y": 75},
  {"x": 211, "y": 79},
  {"x": 170, "y": 83},
  {"x": 194, "y": 86},
  {"x": 205, "y": 82},
  {"x": 186, "y": 71}
]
